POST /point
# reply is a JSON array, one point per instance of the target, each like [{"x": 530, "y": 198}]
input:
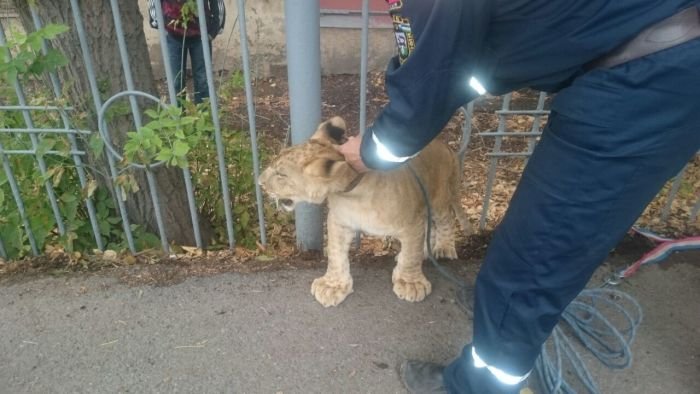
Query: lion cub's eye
[{"x": 281, "y": 175}]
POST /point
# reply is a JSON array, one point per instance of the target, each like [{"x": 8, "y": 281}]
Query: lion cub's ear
[
  {"x": 338, "y": 171},
  {"x": 333, "y": 130}
]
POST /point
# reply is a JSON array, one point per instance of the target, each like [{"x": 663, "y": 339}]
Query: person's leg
[
  {"x": 177, "y": 58},
  {"x": 613, "y": 139},
  {"x": 199, "y": 71}
]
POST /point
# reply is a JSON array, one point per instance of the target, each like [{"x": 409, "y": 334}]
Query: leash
[
  {"x": 464, "y": 291},
  {"x": 589, "y": 319},
  {"x": 665, "y": 247}
]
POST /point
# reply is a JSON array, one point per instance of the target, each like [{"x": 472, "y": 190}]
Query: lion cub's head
[{"x": 309, "y": 172}]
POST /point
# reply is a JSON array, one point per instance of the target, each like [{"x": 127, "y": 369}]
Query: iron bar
[
  {"x": 136, "y": 113},
  {"x": 491, "y": 177},
  {"x": 302, "y": 28},
  {"x": 220, "y": 152},
  {"x": 97, "y": 101},
  {"x": 18, "y": 200},
  {"x": 41, "y": 163},
  {"x": 250, "y": 104},
  {"x": 162, "y": 34}
]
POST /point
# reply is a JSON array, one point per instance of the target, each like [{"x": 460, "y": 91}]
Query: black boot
[{"x": 422, "y": 377}]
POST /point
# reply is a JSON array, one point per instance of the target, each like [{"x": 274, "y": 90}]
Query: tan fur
[{"x": 382, "y": 204}]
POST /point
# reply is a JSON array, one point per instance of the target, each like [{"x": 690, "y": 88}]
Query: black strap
[{"x": 674, "y": 30}]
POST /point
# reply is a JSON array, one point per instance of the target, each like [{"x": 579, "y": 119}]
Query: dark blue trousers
[
  {"x": 178, "y": 49},
  {"x": 614, "y": 137}
]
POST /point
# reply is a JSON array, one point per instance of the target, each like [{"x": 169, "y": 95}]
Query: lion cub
[{"x": 377, "y": 203}]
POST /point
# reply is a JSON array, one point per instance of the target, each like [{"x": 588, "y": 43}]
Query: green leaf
[
  {"x": 180, "y": 148},
  {"x": 12, "y": 74},
  {"x": 151, "y": 114},
  {"x": 34, "y": 41},
  {"x": 130, "y": 148},
  {"x": 114, "y": 220},
  {"x": 147, "y": 132},
  {"x": 96, "y": 145},
  {"x": 188, "y": 120},
  {"x": 67, "y": 197},
  {"x": 245, "y": 219},
  {"x": 157, "y": 142},
  {"x": 2, "y": 198},
  {"x": 181, "y": 162},
  {"x": 45, "y": 145},
  {"x": 104, "y": 227},
  {"x": 52, "y": 30},
  {"x": 70, "y": 210},
  {"x": 54, "y": 59},
  {"x": 164, "y": 155}
]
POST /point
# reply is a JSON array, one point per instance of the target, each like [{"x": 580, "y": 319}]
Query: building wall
[{"x": 340, "y": 41}]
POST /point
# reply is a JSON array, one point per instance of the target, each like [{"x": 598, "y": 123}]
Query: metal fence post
[
  {"x": 97, "y": 101},
  {"x": 21, "y": 99},
  {"x": 493, "y": 165},
  {"x": 675, "y": 187},
  {"x": 694, "y": 212},
  {"x": 364, "y": 49},
  {"x": 303, "y": 36},
  {"x": 250, "y": 103},
  {"x": 363, "y": 65},
  {"x": 136, "y": 113},
  {"x": 3, "y": 253},
  {"x": 194, "y": 214},
  {"x": 214, "y": 101},
  {"x": 80, "y": 170}
]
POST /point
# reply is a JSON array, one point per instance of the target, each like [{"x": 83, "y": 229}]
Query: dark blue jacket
[{"x": 505, "y": 44}]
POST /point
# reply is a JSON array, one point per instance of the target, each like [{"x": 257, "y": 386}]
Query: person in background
[
  {"x": 184, "y": 36},
  {"x": 625, "y": 119}
]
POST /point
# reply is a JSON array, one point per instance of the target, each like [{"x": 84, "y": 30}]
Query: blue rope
[{"x": 588, "y": 319}]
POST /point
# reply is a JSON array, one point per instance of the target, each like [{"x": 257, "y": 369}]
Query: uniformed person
[{"x": 625, "y": 119}]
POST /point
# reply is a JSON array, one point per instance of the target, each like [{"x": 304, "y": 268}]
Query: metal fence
[
  {"x": 303, "y": 55},
  {"x": 113, "y": 154},
  {"x": 532, "y": 136},
  {"x": 6, "y": 9}
]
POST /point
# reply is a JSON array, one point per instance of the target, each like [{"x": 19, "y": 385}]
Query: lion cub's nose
[{"x": 263, "y": 177}]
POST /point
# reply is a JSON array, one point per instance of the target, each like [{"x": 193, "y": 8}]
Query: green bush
[{"x": 178, "y": 135}]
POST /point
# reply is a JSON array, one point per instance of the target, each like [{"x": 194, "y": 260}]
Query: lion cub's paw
[
  {"x": 445, "y": 252},
  {"x": 330, "y": 291},
  {"x": 414, "y": 288}
]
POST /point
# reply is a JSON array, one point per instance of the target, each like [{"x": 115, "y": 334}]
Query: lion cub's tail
[{"x": 456, "y": 203}]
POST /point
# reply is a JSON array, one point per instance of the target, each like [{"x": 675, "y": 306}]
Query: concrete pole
[{"x": 303, "y": 35}]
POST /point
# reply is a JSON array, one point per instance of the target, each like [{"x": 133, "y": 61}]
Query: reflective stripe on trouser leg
[
  {"x": 498, "y": 373},
  {"x": 463, "y": 376}
]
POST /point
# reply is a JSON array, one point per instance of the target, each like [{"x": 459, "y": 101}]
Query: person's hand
[{"x": 351, "y": 151}]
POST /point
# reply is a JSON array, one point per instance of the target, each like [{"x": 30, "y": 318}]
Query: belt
[{"x": 674, "y": 30}]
